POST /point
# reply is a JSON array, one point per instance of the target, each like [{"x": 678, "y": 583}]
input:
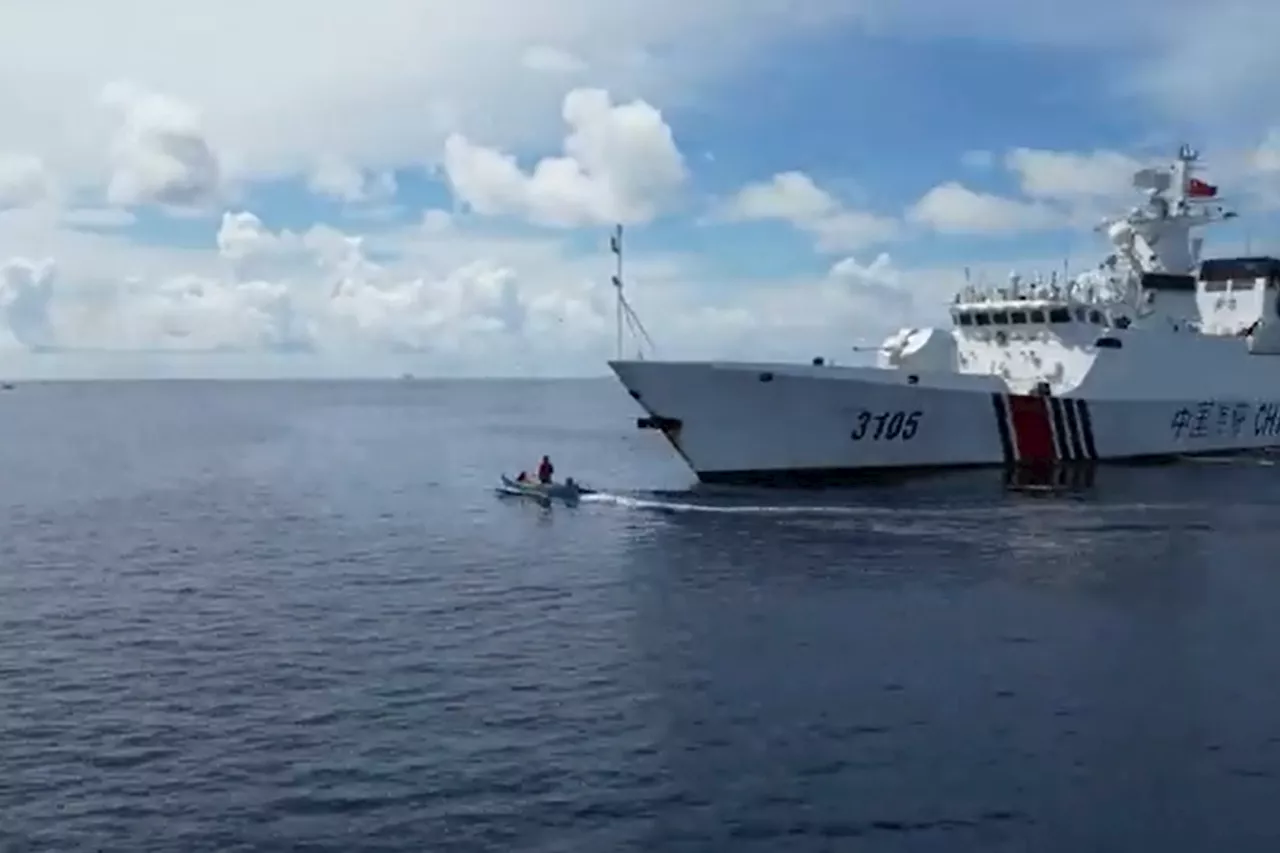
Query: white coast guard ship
[{"x": 1154, "y": 354}]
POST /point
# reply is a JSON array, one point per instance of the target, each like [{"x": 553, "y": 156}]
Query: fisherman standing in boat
[{"x": 545, "y": 470}]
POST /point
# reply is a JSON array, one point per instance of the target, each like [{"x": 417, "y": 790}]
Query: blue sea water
[{"x": 273, "y": 616}]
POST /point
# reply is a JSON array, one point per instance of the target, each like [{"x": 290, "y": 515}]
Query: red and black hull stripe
[
  {"x": 1038, "y": 429},
  {"x": 1037, "y": 433}
]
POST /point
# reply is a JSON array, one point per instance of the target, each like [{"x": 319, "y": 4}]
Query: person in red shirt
[{"x": 545, "y": 470}]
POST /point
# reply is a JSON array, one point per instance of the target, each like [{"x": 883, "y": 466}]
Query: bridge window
[
  {"x": 981, "y": 319},
  {"x": 1222, "y": 269},
  {"x": 1059, "y": 315},
  {"x": 964, "y": 319},
  {"x": 1215, "y": 286},
  {"x": 1082, "y": 315},
  {"x": 1037, "y": 316},
  {"x": 1000, "y": 318},
  {"x": 1242, "y": 284},
  {"x": 1017, "y": 317}
]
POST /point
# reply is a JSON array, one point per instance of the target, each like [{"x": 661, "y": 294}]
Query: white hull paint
[
  {"x": 1156, "y": 353},
  {"x": 744, "y": 422}
]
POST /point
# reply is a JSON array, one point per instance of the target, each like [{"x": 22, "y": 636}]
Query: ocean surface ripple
[{"x": 271, "y": 616}]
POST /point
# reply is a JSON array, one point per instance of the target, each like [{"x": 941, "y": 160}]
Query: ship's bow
[
  {"x": 761, "y": 422},
  {"x": 646, "y": 383},
  {"x": 662, "y": 390}
]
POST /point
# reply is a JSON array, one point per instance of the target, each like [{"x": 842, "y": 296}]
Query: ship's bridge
[
  {"x": 1218, "y": 275},
  {"x": 1239, "y": 296},
  {"x": 1226, "y": 296},
  {"x": 1022, "y": 313}
]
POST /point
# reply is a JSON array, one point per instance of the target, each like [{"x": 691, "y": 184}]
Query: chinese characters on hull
[{"x": 1209, "y": 419}]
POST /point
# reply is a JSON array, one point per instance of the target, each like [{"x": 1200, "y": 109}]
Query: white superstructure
[{"x": 1154, "y": 353}]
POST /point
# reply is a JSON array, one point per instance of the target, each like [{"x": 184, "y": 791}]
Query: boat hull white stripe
[
  {"x": 731, "y": 419},
  {"x": 1062, "y": 438}
]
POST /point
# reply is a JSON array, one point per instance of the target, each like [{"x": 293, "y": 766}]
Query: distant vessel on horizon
[{"x": 1154, "y": 354}]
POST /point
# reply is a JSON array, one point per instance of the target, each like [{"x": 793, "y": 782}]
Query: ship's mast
[
  {"x": 615, "y": 245},
  {"x": 622, "y": 308},
  {"x": 1158, "y": 236},
  {"x": 1183, "y": 168}
]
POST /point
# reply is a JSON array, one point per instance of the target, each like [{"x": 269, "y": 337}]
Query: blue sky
[
  {"x": 879, "y": 120},
  {"x": 222, "y": 193}
]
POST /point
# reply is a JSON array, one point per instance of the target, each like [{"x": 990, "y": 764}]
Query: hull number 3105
[{"x": 885, "y": 426}]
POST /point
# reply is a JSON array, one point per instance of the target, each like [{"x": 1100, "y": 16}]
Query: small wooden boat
[{"x": 543, "y": 493}]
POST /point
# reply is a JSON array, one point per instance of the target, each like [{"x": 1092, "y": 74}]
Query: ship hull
[{"x": 778, "y": 424}]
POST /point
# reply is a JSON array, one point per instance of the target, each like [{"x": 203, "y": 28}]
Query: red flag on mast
[{"x": 1197, "y": 188}]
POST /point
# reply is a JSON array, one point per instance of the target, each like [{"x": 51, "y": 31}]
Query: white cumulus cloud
[
  {"x": 793, "y": 197},
  {"x": 956, "y": 209},
  {"x": 620, "y": 164},
  {"x": 159, "y": 153},
  {"x": 26, "y": 296},
  {"x": 1069, "y": 175},
  {"x": 379, "y": 83},
  {"x": 23, "y": 180},
  {"x": 387, "y": 87},
  {"x": 337, "y": 178},
  {"x": 192, "y": 312}
]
